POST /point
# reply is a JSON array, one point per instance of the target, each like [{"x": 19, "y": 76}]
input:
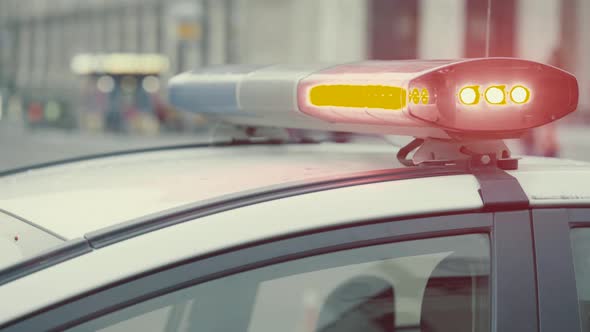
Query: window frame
[
  {"x": 511, "y": 279},
  {"x": 557, "y": 296}
]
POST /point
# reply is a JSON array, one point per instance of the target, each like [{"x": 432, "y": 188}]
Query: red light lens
[{"x": 503, "y": 107}]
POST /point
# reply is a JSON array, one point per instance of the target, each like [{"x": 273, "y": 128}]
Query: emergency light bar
[{"x": 464, "y": 99}]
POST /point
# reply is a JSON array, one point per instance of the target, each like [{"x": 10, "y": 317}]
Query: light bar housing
[{"x": 419, "y": 98}]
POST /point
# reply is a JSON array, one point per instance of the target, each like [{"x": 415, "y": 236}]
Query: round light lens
[
  {"x": 495, "y": 95},
  {"x": 469, "y": 95},
  {"x": 519, "y": 94}
]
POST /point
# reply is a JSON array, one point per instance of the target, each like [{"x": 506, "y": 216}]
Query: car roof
[{"x": 73, "y": 199}]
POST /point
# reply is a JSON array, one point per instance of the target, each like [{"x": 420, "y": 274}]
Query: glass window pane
[
  {"x": 581, "y": 248},
  {"x": 436, "y": 284}
]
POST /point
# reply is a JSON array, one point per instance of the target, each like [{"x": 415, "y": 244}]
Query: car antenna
[{"x": 488, "y": 25}]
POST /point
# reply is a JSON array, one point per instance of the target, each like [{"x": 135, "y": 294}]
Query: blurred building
[{"x": 39, "y": 38}]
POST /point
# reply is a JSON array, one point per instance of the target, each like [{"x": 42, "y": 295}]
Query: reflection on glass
[
  {"x": 581, "y": 248},
  {"x": 437, "y": 284}
]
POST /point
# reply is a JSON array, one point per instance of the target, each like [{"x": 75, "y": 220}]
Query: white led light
[
  {"x": 495, "y": 95},
  {"x": 519, "y": 94},
  {"x": 468, "y": 96}
]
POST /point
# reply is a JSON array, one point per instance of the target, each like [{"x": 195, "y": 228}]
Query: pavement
[{"x": 20, "y": 147}]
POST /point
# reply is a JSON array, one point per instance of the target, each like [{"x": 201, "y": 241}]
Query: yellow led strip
[
  {"x": 419, "y": 96},
  {"x": 362, "y": 96}
]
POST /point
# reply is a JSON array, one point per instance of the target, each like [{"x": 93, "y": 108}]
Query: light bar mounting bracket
[{"x": 472, "y": 154}]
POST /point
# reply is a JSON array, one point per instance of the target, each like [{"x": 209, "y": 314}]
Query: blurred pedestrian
[{"x": 549, "y": 144}]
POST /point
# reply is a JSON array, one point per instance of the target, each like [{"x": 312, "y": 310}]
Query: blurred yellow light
[
  {"x": 496, "y": 95},
  {"x": 469, "y": 95},
  {"x": 83, "y": 64},
  {"x": 425, "y": 96},
  {"x": 189, "y": 31},
  {"x": 359, "y": 96},
  {"x": 415, "y": 96},
  {"x": 519, "y": 94},
  {"x": 120, "y": 63}
]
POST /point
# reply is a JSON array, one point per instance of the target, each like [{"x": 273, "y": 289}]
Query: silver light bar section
[{"x": 266, "y": 96}]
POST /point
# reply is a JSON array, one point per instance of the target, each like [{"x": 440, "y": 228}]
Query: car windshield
[{"x": 81, "y": 77}]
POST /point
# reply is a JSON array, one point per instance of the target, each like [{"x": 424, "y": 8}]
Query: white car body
[{"x": 72, "y": 200}]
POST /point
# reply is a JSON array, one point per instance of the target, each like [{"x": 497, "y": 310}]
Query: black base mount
[{"x": 471, "y": 154}]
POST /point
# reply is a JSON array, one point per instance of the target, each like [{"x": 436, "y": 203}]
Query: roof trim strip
[
  {"x": 174, "y": 216},
  {"x": 50, "y": 257}
]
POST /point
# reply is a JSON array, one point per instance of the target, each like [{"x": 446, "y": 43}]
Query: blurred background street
[
  {"x": 20, "y": 147},
  {"x": 50, "y": 145},
  {"x": 79, "y": 77}
]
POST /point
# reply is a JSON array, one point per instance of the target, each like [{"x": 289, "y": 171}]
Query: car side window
[
  {"x": 434, "y": 284},
  {"x": 581, "y": 247}
]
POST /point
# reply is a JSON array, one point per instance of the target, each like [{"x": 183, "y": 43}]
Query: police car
[{"x": 449, "y": 233}]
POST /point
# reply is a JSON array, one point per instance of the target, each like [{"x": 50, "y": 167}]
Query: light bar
[{"x": 473, "y": 98}]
